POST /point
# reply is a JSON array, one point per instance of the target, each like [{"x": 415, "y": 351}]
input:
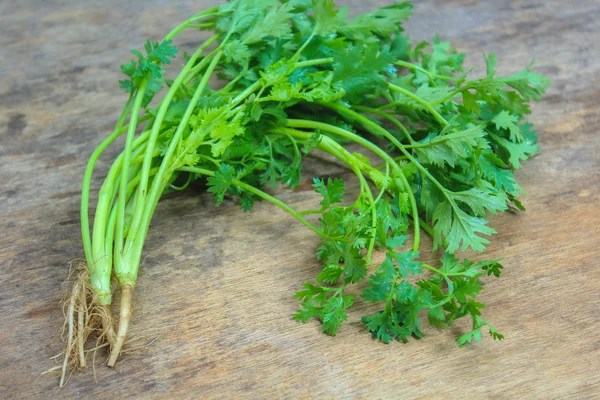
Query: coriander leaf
[
  {"x": 480, "y": 202},
  {"x": 334, "y": 313},
  {"x": 468, "y": 337},
  {"x": 382, "y": 21},
  {"x": 503, "y": 179},
  {"x": 221, "y": 182},
  {"x": 160, "y": 53},
  {"x": 236, "y": 51},
  {"x": 357, "y": 68},
  {"x": 332, "y": 191},
  {"x": 326, "y": 17},
  {"x": 275, "y": 23},
  {"x": 449, "y": 148},
  {"x": 331, "y": 274},
  {"x": 460, "y": 229},
  {"x": 529, "y": 84},
  {"x": 505, "y": 120},
  {"x": 514, "y": 153}
]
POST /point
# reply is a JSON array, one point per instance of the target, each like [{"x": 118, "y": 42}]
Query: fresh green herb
[{"x": 299, "y": 78}]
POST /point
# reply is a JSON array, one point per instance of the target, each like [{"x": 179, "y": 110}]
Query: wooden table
[{"x": 214, "y": 296}]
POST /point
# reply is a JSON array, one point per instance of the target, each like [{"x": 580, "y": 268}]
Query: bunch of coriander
[{"x": 298, "y": 77}]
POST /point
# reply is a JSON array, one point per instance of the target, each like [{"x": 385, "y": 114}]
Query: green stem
[
  {"x": 420, "y": 69},
  {"x": 421, "y": 101},
  {"x": 128, "y": 272},
  {"x": 306, "y": 42},
  {"x": 101, "y": 266},
  {"x": 374, "y": 127},
  {"x": 263, "y": 195},
  {"x": 437, "y": 271},
  {"x": 428, "y": 229},
  {"x": 318, "y": 61},
  {"x": 207, "y": 25},
  {"x": 389, "y": 117},
  {"x": 110, "y": 230},
  {"x": 87, "y": 180},
  {"x": 209, "y": 12},
  {"x": 121, "y": 201},
  {"x": 195, "y": 70},
  {"x": 143, "y": 186},
  {"x": 450, "y": 96},
  {"x": 374, "y": 148},
  {"x": 443, "y": 274}
]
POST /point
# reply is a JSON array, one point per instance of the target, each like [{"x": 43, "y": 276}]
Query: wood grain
[{"x": 214, "y": 294}]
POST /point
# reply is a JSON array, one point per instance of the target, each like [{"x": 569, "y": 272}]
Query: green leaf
[
  {"x": 468, "y": 337},
  {"x": 274, "y": 23},
  {"x": 355, "y": 268},
  {"x": 470, "y": 102},
  {"x": 503, "y": 179},
  {"x": 332, "y": 191},
  {"x": 436, "y": 317},
  {"x": 460, "y": 229},
  {"x": 331, "y": 274},
  {"x": 382, "y": 22},
  {"x": 396, "y": 241},
  {"x": 466, "y": 288},
  {"x": 492, "y": 267},
  {"x": 378, "y": 288},
  {"x": 224, "y": 132},
  {"x": 505, "y": 120},
  {"x": 407, "y": 264},
  {"x": 221, "y": 182},
  {"x": 160, "y": 52},
  {"x": 129, "y": 68},
  {"x": 334, "y": 313},
  {"x": 326, "y": 17},
  {"x": 529, "y": 84},
  {"x": 357, "y": 68},
  {"x": 480, "y": 202},
  {"x": 237, "y": 52},
  {"x": 449, "y": 148},
  {"x": 516, "y": 152},
  {"x": 382, "y": 326}
]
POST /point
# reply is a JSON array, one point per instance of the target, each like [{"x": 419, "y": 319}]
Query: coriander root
[
  {"x": 84, "y": 317},
  {"x": 124, "y": 318}
]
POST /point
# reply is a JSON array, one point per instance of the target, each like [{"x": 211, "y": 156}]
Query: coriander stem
[
  {"x": 373, "y": 126},
  {"x": 87, "y": 179},
  {"x": 450, "y": 96},
  {"x": 193, "y": 72},
  {"x": 309, "y": 63},
  {"x": 206, "y": 25},
  {"x": 371, "y": 146},
  {"x": 419, "y": 100},
  {"x": 338, "y": 151},
  {"x": 429, "y": 74},
  {"x": 209, "y": 12},
  {"x": 437, "y": 271},
  {"x": 121, "y": 201},
  {"x": 263, "y": 195},
  {"x": 306, "y": 42},
  {"x": 388, "y": 116},
  {"x": 135, "y": 245},
  {"x": 425, "y": 226},
  {"x": 143, "y": 186}
]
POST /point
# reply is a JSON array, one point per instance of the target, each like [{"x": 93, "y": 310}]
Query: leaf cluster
[{"x": 300, "y": 77}]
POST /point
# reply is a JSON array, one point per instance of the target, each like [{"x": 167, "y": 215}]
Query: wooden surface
[{"x": 214, "y": 296}]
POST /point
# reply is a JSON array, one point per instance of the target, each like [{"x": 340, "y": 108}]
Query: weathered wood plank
[{"x": 215, "y": 292}]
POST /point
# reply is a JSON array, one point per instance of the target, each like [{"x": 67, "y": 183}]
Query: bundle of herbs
[{"x": 298, "y": 77}]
